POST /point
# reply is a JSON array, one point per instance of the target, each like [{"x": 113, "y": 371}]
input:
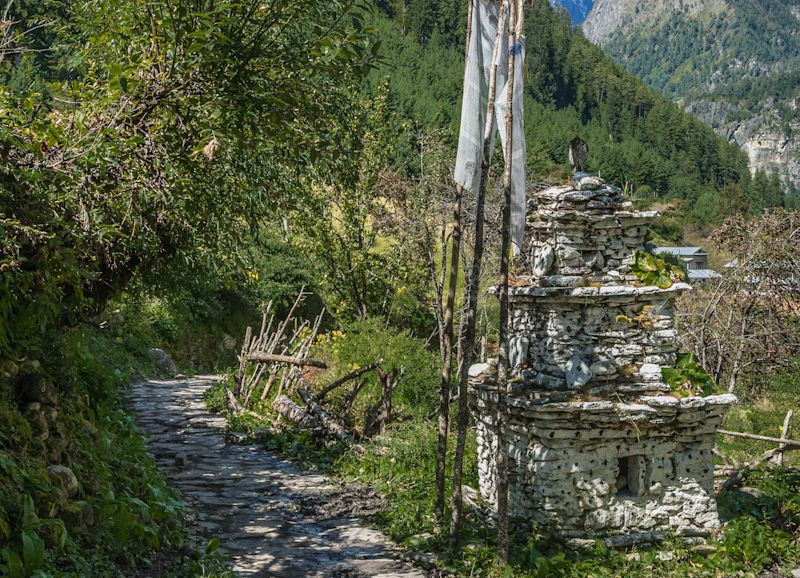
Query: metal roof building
[{"x": 695, "y": 259}]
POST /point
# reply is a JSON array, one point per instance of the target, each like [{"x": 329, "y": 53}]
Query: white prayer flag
[{"x": 473, "y": 109}]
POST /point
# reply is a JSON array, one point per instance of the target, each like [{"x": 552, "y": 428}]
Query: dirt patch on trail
[{"x": 347, "y": 501}]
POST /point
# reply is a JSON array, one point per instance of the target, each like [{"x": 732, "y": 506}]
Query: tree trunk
[
  {"x": 503, "y": 368},
  {"x": 447, "y": 334},
  {"x": 293, "y": 412},
  {"x": 467, "y": 333},
  {"x": 740, "y": 347},
  {"x": 447, "y": 359}
]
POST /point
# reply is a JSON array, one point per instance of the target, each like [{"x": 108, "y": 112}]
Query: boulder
[
  {"x": 596, "y": 262},
  {"x": 77, "y": 514},
  {"x": 164, "y": 361},
  {"x": 38, "y": 390},
  {"x": 588, "y": 183},
  {"x": 66, "y": 477},
  {"x": 478, "y": 369},
  {"x": 543, "y": 260}
]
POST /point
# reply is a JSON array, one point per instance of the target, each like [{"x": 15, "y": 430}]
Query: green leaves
[
  {"x": 111, "y": 181},
  {"x": 656, "y": 270},
  {"x": 689, "y": 378},
  {"x": 32, "y": 552},
  {"x": 118, "y": 76},
  {"x": 754, "y": 544},
  {"x": 212, "y": 546},
  {"x": 29, "y": 518},
  {"x": 31, "y": 560}
]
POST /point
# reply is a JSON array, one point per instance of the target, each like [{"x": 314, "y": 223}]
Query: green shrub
[
  {"x": 668, "y": 230},
  {"x": 763, "y": 524},
  {"x": 754, "y": 545},
  {"x": 364, "y": 341},
  {"x": 77, "y": 421}
]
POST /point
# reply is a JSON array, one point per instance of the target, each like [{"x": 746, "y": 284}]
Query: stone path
[{"x": 271, "y": 518}]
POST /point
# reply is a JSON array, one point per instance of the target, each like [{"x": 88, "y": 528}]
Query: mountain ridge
[
  {"x": 637, "y": 137},
  {"x": 731, "y": 63},
  {"x": 607, "y": 16}
]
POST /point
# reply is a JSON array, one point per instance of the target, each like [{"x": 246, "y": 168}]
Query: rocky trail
[{"x": 272, "y": 518}]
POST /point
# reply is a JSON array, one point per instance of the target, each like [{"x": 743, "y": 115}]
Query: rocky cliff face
[
  {"x": 608, "y": 16},
  {"x": 770, "y": 143},
  {"x": 732, "y": 63}
]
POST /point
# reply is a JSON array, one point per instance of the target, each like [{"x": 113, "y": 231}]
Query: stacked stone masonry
[{"x": 596, "y": 441}]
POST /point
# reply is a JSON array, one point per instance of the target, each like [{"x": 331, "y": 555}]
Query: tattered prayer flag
[{"x": 473, "y": 109}]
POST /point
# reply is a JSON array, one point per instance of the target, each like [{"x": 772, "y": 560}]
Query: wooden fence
[{"x": 734, "y": 472}]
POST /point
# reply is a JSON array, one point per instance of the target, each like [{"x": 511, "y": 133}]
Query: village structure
[
  {"x": 597, "y": 443},
  {"x": 694, "y": 260}
]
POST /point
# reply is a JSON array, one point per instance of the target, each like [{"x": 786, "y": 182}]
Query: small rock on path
[{"x": 269, "y": 515}]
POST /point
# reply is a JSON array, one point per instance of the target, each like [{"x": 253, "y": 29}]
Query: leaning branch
[
  {"x": 323, "y": 416},
  {"x": 344, "y": 379},
  {"x": 783, "y": 442},
  {"x": 272, "y": 357},
  {"x": 233, "y": 403},
  {"x": 737, "y": 475}
]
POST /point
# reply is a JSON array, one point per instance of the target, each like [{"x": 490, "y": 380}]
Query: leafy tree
[
  {"x": 347, "y": 230},
  {"x": 146, "y": 153},
  {"x": 181, "y": 126}
]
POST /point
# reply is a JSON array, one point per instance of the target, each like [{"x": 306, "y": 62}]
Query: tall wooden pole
[
  {"x": 447, "y": 337},
  {"x": 466, "y": 340},
  {"x": 503, "y": 369}
]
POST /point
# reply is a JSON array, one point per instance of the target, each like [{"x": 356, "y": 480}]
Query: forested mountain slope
[
  {"x": 637, "y": 138},
  {"x": 732, "y": 63}
]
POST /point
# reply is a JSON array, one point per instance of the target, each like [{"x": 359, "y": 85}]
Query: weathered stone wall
[
  {"x": 605, "y": 467},
  {"x": 578, "y": 237},
  {"x": 623, "y": 335}
]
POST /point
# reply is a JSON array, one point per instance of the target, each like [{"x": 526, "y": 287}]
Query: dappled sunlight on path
[{"x": 268, "y": 514}]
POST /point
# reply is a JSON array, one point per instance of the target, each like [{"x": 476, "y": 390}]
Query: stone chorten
[{"x": 597, "y": 443}]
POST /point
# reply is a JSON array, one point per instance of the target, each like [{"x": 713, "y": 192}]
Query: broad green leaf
[
  {"x": 32, "y": 551},
  {"x": 16, "y": 568},
  {"x": 212, "y": 546}
]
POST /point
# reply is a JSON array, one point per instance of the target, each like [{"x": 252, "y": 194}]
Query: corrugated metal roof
[
  {"x": 702, "y": 274},
  {"x": 680, "y": 250}
]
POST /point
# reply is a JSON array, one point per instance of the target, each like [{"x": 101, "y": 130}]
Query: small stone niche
[
  {"x": 597, "y": 441},
  {"x": 632, "y": 476}
]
